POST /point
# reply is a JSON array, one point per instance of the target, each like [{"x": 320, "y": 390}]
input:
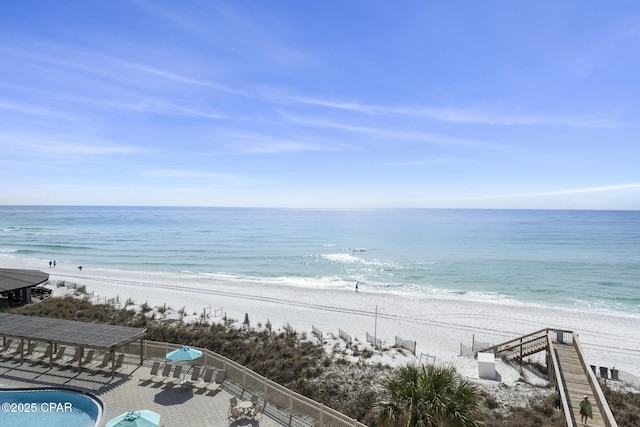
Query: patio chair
[
  {"x": 254, "y": 398},
  {"x": 60, "y": 355},
  {"x": 70, "y": 361},
  {"x": 175, "y": 378},
  {"x": 30, "y": 350},
  {"x": 88, "y": 358},
  {"x": 44, "y": 357},
  {"x": 205, "y": 381},
  {"x": 16, "y": 351},
  {"x": 217, "y": 384},
  {"x": 101, "y": 365},
  {"x": 256, "y": 412},
  {"x": 234, "y": 414},
  {"x": 119, "y": 362},
  {"x": 195, "y": 374},
  {"x": 159, "y": 379},
  {"x": 152, "y": 373},
  {"x": 5, "y": 348}
]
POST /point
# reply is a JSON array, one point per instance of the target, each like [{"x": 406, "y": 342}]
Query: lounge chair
[
  {"x": 60, "y": 355},
  {"x": 159, "y": 379},
  {"x": 44, "y": 357},
  {"x": 30, "y": 351},
  {"x": 118, "y": 365},
  {"x": 175, "y": 378},
  {"x": 195, "y": 374},
  {"x": 152, "y": 373},
  {"x": 70, "y": 361},
  {"x": 205, "y": 381},
  {"x": 17, "y": 352},
  {"x": 217, "y": 384},
  {"x": 101, "y": 365},
  {"x": 5, "y": 348},
  {"x": 88, "y": 358}
]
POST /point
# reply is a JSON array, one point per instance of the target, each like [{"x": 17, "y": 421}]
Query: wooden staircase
[
  {"x": 576, "y": 383},
  {"x": 568, "y": 372}
]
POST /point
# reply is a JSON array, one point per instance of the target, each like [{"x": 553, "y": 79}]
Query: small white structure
[{"x": 486, "y": 366}]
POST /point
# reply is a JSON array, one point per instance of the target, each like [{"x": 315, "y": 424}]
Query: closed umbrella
[
  {"x": 184, "y": 353},
  {"x": 143, "y": 418}
]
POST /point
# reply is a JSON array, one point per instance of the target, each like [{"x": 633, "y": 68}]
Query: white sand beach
[{"x": 438, "y": 325}]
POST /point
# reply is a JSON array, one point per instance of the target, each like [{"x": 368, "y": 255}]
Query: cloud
[
  {"x": 198, "y": 174},
  {"x": 425, "y": 162},
  {"x": 487, "y": 116},
  {"x": 603, "y": 188},
  {"x": 393, "y": 134},
  {"x": 67, "y": 145},
  {"x": 250, "y": 143},
  {"x": 187, "y": 80}
]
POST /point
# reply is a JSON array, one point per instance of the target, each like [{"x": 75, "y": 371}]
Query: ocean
[{"x": 573, "y": 259}]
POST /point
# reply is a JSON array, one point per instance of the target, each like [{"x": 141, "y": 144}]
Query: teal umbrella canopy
[
  {"x": 143, "y": 418},
  {"x": 184, "y": 353}
]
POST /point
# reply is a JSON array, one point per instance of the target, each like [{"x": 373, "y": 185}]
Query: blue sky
[{"x": 336, "y": 104}]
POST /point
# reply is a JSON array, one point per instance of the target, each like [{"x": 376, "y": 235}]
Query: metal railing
[{"x": 301, "y": 407}]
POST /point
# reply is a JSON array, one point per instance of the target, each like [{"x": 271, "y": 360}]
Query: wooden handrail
[
  {"x": 603, "y": 405},
  {"x": 560, "y": 385}
]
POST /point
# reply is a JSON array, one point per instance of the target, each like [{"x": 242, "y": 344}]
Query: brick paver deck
[{"x": 177, "y": 406}]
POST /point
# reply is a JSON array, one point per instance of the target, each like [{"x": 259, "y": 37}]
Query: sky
[{"x": 327, "y": 104}]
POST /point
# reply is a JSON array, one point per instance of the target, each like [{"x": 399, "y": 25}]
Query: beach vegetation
[
  {"x": 429, "y": 396},
  {"x": 625, "y": 406},
  {"x": 351, "y": 385}
]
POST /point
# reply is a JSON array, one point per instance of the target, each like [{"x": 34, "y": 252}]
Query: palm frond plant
[{"x": 429, "y": 396}]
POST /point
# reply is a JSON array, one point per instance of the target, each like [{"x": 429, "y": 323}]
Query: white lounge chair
[
  {"x": 159, "y": 379},
  {"x": 175, "y": 378},
  {"x": 217, "y": 384},
  {"x": 195, "y": 374},
  {"x": 152, "y": 373},
  {"x": 205, "y": 381}
]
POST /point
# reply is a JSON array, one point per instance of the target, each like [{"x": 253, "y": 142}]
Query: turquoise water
[
  {"x": 568, "y": 258},
  {"x": 51, "y": 408}
]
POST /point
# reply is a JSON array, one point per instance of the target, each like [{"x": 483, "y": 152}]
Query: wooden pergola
[{"x": 69, "y": 332}]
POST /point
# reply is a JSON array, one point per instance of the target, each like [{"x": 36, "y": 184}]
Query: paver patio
[{"x": 177, "y": 406}]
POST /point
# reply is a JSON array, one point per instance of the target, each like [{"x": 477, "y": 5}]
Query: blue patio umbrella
[
  {"x": 143, "y": 418},
  {"x": 183, "y": 354}
]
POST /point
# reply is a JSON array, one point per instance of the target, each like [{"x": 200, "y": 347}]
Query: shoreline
[{"x": 438, "y": 325}]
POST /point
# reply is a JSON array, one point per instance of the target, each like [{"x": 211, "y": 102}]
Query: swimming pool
[{"x": 57, "y": 407}]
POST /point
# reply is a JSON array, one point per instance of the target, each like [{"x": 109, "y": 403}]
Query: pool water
[{"x": 49, "y": 407}]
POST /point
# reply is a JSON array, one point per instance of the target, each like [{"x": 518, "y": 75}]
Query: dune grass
[{"x": 353, "y": 388}]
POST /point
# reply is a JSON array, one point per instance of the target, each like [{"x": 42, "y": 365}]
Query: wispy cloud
[
  {"x": 252, "y": 143},
  {"x": 187, "y": 80},
  {"x": 486, "y": 115},
  {"x": 66, "y": 145},
  {"x": 392, "y": 134},
  {"x": 197, "y": 174},
  {"x": 426, "y": 162},
  {"x": 603, "y": 188}
]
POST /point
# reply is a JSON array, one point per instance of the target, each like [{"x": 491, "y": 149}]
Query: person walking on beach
[
  {"x": 50, "y": 264},
  {"x": 585, "y": 410},
  {"x": 357, "y": 286},
  {"x": 54, "y": 263}
]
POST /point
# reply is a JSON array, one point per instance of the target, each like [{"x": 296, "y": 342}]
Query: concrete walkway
[{"x": 177, "y": 407}]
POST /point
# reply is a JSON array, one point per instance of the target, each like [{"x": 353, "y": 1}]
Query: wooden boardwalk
[
  {"x": 577, "y": 384},
  {"x": 567, "y": 372}
]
